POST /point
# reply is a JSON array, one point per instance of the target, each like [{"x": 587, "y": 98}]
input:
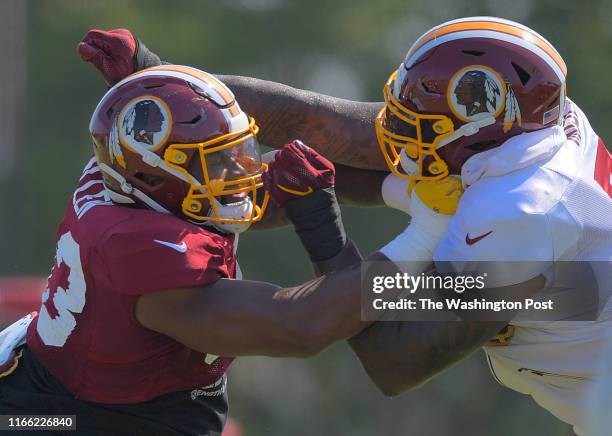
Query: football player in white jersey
[
  {"x": 537, "y": 200},
  {"x": 479, "y": 101}
]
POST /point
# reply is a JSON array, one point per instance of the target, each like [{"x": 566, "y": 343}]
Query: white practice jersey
[{"x": 540, "y": 198}]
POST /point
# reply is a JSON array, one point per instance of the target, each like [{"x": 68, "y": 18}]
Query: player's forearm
[
  {"x": 318, "y": 222},
  {"x": 267, "y": 320},
  {"x": 400, "y": 356},
  {"x": 325, "y": 310},
  {"x": 359, "y": 188},
  {"x": 238, "y": 318},
  {"x": 341, "y": 130}
]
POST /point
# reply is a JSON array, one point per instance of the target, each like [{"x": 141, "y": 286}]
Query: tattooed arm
[
  {"x": 341, "y": 130},
  {"x": 401, "y": 355}
]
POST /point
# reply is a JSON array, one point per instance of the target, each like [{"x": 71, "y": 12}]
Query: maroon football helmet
[
  {"x": 174, "y": 139},
  {"x": 464, "y": 87}
]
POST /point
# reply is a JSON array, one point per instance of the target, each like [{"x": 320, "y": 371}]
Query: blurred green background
[{"x": 344, "y": 48}]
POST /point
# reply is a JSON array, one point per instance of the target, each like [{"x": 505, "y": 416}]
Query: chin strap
[
  {"x": 468, "y": 129},
  {"x": 411, "y": 168},
  {"x": 128, "y": 188},
  {"x": 239, "y": 211}
]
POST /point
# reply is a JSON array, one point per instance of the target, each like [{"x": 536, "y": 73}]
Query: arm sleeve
[{"x": 395, "y": 193}]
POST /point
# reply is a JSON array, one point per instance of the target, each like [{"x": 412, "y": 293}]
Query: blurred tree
[{"x": 13, "y": 40}]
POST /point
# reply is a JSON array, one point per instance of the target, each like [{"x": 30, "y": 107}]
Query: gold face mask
[
  {"x": 400, "y": 129},
  {"x": 226, "y": 169}
]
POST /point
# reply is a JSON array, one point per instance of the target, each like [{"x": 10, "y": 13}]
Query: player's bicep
[
  {"x": 240, "y": 317},
  {"x": 228, "y": 317}
]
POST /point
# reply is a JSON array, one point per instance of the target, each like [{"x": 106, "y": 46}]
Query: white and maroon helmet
[
  {"x": 174, "y": 139},
  {"x": 467, "y": 86}
]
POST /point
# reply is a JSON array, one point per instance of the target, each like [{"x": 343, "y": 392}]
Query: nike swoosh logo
[
  {"x": 472, "y": 241},
  {"x": 181, "y": 248}
]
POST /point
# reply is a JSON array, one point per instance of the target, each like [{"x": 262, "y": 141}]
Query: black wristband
[
  {"x": 349, "y": 255},
  {"x": 144, "y": 57},
  {"x": 317, "y": 221}
]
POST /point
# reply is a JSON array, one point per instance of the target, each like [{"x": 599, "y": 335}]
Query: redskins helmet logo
[
  {"x": 475, "y": 90},
  {"x": 144, "y": 122}
]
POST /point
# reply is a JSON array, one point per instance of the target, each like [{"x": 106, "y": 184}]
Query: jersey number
[
  {"x": 64, "y": 296},
  {"x": 603, "y": 168}
]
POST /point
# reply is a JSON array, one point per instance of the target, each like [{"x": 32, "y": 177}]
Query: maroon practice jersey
[{"x": 108, "y": 255}]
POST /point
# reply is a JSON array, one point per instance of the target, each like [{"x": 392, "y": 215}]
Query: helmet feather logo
[
  {"x": 513, "y": 111},
  {"x": 475, "y": 90},
  {"x": 144, "y": 123},
  {"x": 114, "y": 145}
]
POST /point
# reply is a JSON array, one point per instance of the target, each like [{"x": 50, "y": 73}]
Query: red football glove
[
  {"x": 112, "y": 53},
  {"x": 296, "y": 171}
]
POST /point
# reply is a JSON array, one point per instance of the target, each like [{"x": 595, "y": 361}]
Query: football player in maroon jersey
[{"x": 143, "y": 310}]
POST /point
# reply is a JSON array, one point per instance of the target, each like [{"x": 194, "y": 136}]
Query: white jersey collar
[{"x": 516, "y": 153}]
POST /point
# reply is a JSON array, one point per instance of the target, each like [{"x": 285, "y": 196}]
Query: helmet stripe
[
  {"x": 491, "y": 20},
  {"x": 488, "y": 28},
  {"x": 218, "y": 92},
  {"x": 213, "y": 87},
  {"x": 203, "y": 76}
]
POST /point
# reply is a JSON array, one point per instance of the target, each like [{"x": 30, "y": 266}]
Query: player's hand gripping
[
  {"x": 296, "y": 172},
  {"x": 302, "y": 181},
  {"x": 431, "y": 205},
  {"x": 115, "y": 53},
  {"x": 441, "y": 196}
]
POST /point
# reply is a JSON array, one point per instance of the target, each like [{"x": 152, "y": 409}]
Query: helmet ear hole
[
  {"x": 148, "y": 179},
  {"x": 523, "y": 75},
  {"x": 473, "y": 52},
  {"x": 482, "y": 145}
]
